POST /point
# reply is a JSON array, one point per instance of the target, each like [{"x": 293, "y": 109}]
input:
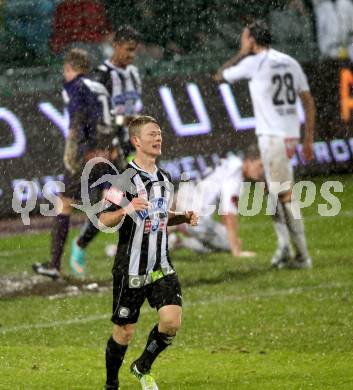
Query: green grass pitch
[{"x": 245, "y": 326}]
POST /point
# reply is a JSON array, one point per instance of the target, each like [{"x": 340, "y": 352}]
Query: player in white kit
[
  {"x": 276, "y": 80},
  {"x": 218, "y": 192}
]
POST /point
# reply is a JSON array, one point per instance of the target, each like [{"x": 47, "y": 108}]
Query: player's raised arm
[
  {"x": 177, "y": 218},
  {"x": 245, "y": 49},
  {"x": 310, "y": 114}
]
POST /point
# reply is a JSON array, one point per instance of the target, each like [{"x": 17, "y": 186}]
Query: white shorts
[{"x": 277, "y": 164}]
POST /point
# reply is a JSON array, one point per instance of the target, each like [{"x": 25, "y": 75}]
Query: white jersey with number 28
[{"x": 275, "y": 80}]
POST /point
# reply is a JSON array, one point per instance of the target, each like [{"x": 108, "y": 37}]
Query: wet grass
[{"x": 245, "y": 326}]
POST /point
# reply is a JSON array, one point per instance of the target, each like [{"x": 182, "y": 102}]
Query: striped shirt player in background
[
  {"x": 276, "y": 81},
  {"x": 85, "y": 101},
  {"x": 122, "y": 81},
  {"x": 219, "y": 191},
  {"x": 142, "y": 267}
]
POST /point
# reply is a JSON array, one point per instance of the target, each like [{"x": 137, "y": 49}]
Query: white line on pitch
[{"x": 265, "y": 294}]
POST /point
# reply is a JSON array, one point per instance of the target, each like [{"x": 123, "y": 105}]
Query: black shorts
[
  {"x": 72, "y": 183},
  {"x": 127, "y": 301}
]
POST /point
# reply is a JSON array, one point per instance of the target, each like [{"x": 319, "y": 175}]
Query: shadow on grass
[{"x": 225, "y": 276}]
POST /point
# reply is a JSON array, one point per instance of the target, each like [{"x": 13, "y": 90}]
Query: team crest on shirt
[
  {"x": 155, "y": 218},
  {"x": 159, "y": 208}
]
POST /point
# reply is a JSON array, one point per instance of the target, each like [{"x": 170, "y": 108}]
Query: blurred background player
[
  {"x": 222, "y": 188},
  {"x": 276, "y": 81},
  {"x": 85, "y": 101},
  {"x": 122, "y": 81}
]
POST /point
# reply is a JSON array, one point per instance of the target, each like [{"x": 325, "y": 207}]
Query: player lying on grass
[
  {"x": 276, "y": 83},
  {"x": 220, "y": 189},
  {"x": 142, "y": 268}
]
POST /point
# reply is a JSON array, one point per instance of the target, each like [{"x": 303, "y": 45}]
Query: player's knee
[
  {"x": 123, "y": 334},
  {"x": 170, "y": 325},
  {"x": 128, "y": 332}
]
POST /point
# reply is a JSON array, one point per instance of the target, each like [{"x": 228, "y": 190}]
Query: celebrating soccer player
[
  {"x": 276, "y": 81},
  {"x": 142, "y": 267}
]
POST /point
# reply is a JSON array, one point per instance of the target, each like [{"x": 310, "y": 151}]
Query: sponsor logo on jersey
[
  {"x": 143, "y": 214},
  {"x": 155, "y": 225},
  {"x": 147, "y": 227},
  {"x": 142, "y": 193},
  {"x": 158, "y": 206},
  {"x": 162, "y": 223},
  {"x": 124, "y": 97}
]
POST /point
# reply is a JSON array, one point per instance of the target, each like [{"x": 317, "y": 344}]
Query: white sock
[
  {"x": 280, "y": 225},
  {"x": 296, "y": 228}
]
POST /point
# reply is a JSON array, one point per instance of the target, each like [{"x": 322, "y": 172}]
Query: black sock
[
  {"x": 88, "y": 232},
  {"x": 156, "y": 343},
  {"x": 114, "y": 356},
  {"x": 59, "y": 234}
]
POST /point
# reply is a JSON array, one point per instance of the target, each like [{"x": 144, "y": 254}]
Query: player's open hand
[
  {"x": 237, "y": 249},
  {"x": 191, "y": 218}
]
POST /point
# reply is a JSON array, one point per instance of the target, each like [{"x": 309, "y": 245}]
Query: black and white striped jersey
[
  {"x": 143, "y": 240},
  {"x": 123, "y": 85}
]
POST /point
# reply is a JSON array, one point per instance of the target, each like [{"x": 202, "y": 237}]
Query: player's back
[
  {"x": 275, "y": 83},
  {"x": 88, "y": 105}
]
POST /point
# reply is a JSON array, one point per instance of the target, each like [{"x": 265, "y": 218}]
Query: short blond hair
[
  {"x": 136, "y": 124},
  {"x": 78, "y": 59}
]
